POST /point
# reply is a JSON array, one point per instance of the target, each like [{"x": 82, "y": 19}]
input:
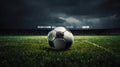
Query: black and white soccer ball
[{"x": 60, "y": 38}]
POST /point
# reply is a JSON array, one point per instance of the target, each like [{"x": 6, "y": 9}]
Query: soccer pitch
[{"x": 34, "y": 51}]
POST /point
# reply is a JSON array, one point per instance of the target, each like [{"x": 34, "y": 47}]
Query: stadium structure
[{"x": 76, "y": 30}]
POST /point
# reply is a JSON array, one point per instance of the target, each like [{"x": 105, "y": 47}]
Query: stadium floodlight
[
  {"x": 43, "y": 26},
  {"x": 85, "y": 27},
  {"x": 60, "y": 38},
  {"x": 70, "y": 27}
]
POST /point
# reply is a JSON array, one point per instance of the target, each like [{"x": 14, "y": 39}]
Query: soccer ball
[{"x": 60, "y": 38}]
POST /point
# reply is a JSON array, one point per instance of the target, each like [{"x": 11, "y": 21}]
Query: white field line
[{"x": 94, "y": 44}]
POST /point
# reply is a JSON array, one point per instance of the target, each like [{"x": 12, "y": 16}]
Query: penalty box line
[{"x": 96, "y": 45}]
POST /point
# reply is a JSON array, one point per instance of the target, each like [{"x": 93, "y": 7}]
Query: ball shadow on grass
[{"x": 51, "y": 49}]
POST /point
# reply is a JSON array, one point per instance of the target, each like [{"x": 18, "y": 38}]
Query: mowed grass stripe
[
  {"x": 96, "y": 45},
  {"x": 110, "y": 42}
]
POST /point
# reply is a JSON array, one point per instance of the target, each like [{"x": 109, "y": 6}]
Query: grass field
[{"x": 34, "y": 51}]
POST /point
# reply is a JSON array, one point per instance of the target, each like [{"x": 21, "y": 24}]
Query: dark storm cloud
[
  {"x": 31, "y": 13},
  {"x": 85, "y": 7},
  {"x": 95, "y": 13},
  {"x": 76, "y": 7},
  {"x": 93, "y": 22}
]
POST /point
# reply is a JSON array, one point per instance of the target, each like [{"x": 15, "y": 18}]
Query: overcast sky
[{"x": 28, "y": 14}]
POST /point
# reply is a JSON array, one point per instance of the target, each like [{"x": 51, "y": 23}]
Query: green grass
[{"x": 34, "y": 51}]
